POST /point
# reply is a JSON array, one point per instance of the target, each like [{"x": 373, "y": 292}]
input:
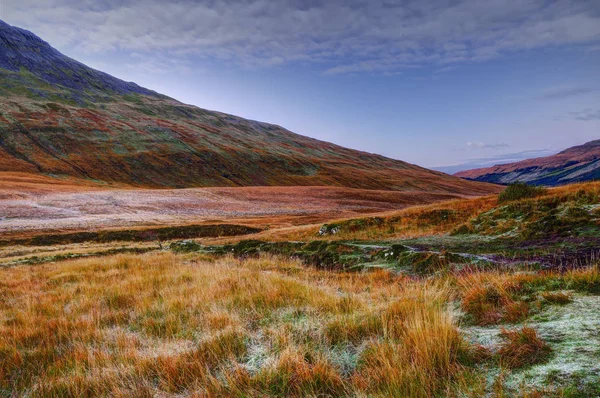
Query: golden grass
[
  {"x": 422, "y": 351},
  {"x": 164, "y": 324},
  {"x": 491, "y": 302},
  {"x": 495, "y": 297},
  {"x": 167, "y": 324},
  {"x": 414, "y": 221},
  {"x": 418, "y": 221},
  {"x": 560, "y": 298},
  {"x": 522, "y": 347}
]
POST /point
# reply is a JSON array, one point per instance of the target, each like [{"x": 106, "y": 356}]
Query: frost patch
[{"x": 573, "y": 332}]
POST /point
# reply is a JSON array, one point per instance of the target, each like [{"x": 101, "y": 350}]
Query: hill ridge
[
  {"x": 60, "y": 117},
  {"x": 579, "y": 163}
]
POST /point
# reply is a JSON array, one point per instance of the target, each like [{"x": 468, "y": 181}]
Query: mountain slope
[
  {"x": 21, "y": 49},
  {"x": 57, "y": 116},
  {"x": 576, "y": 164}
]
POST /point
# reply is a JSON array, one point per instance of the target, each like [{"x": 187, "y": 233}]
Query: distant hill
[
  {"x": 576, "y": 164},
  {"x": 60, "y": 117}
]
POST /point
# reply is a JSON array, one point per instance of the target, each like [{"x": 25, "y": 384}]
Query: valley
[
  {"x": 152, "y": 248},
  {"x": 32, "y": 205},
  {"x": 433, "y": 299}
]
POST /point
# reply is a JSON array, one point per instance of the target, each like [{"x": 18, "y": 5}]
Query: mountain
[
  {"x": 21, "y": 50},
  {"x": 576, "y": 164},
  {"x": 59, "y": 117}
]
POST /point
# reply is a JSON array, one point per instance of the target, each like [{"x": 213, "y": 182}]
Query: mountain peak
[{"x": 22, "y": 50}]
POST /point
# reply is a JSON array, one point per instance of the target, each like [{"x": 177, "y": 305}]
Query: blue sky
[{"x": 436, "y": 83}]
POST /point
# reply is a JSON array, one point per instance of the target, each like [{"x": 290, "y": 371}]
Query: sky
[{"x": 448, "y": 84}]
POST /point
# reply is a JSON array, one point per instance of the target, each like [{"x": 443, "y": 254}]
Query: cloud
[
  {"x": 160, "y": 65},
  {"x": 481, "y": 145},
  {"x": 586, "y": 114},
  {"x": 339, "y": 36},
  {"x": 558, "y": 93}
]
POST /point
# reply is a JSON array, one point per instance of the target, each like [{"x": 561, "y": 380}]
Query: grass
[
  {"x": 522, "y": 347},
  {"x": 306, "y": 318},
  {"x": 490, "y": 298},
  {"x": 164, "y": 323},
  {"x": 560, "y": 298},
  {"x": 492, "y": 303},
  {"x": 561, "y": 211},
  {"x": 176, "y": 324},
  {"x": 136, "y": 235}
]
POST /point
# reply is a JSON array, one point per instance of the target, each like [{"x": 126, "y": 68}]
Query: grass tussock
[
  {"x": 295, "y": 373},
  {"x": 522, "y": 347},
  {"x": 492, "y": 303},
  {"x": 560, "y": 298},
  {"x": 490, "y": 298},
  {"x": 410, "y": 363}
]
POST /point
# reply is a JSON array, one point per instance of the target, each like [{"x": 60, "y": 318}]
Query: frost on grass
[{"x": 573, "y": 333}]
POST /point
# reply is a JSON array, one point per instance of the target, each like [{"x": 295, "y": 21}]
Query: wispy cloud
[
  {"x": 586, "y": 114},
  {"x": 340, "y": 36},
  {"x": 160, "y": 65},
  {"x": 558, "y": 93},
  {"x": 481, "y": 145}
]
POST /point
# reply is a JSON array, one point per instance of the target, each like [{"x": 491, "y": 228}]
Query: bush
[{"x": 520, "y": 190}]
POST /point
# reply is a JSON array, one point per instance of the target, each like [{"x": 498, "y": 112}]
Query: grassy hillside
[
  {"x": 154, "y": 142},
  {"x": 60, "y": 117},
  {"x": 577, "y": 164},
  {"x": 570, "y": 211}
]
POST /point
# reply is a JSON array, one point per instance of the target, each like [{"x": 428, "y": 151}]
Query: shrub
[
  {"x": 520, "y": 190},
  {"x": 522, "y": 347}
]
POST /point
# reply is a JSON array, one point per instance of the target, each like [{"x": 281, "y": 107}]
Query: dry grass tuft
[
  {"x": 522, "y": 347},
  {"x": 490, "y": 302},
  {"x": 295, "y": 373},
  {"x": 560, "y": 298},
  {"x": 422, "y": 358}
]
